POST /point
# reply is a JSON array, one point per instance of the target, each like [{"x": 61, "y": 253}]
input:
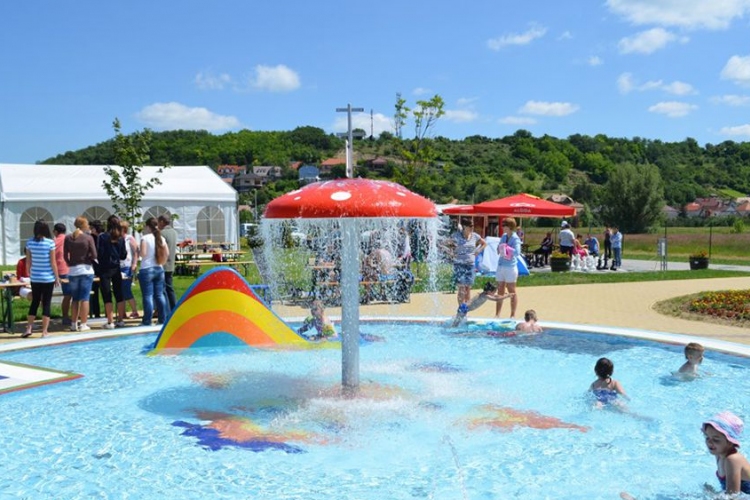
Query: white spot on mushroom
[
  {"x": 399, "y": 193},
  {"x": 297, "y": 198},
  {"x": 341, "y": 196}
]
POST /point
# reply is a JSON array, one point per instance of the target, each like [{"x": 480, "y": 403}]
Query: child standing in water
[
  {"x": 606, "y": 389},
  {"x": 324, "y": 329},
  {"x": 694, "y": 357}
]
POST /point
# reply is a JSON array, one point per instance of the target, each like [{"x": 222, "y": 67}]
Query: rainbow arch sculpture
[{"x": 220, "y": 309}]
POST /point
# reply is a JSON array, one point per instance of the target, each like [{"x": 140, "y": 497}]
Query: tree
[
  {"x": 417, "y": 153},
  {"x": 125, "y": 187},
  {"x": 399, "y": 118},
  {"x": 633, "y": 197}
]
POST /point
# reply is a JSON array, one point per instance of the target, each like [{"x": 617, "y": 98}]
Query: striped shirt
[{"x": 41, "y": 263}]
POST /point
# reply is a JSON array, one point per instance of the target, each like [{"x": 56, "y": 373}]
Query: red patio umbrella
[{"x": 520, "y": 205}]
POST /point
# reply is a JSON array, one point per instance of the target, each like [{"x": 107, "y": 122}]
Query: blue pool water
[{"x": 441, "y": 416}]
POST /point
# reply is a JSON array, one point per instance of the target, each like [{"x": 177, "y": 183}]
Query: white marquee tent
[{"x": 204, "y": 205}]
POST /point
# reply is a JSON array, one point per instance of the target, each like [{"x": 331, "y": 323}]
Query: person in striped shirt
[{"x": 40, "y": 256}]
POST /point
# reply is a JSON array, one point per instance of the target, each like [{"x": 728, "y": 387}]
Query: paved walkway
[{"x": 625, "y": 305}]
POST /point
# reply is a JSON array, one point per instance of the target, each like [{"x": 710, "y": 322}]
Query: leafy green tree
[
  {"x": 125, "y": 186},
  {"x": 633, "y": 197},
  {"x": 418, "y": 153}
]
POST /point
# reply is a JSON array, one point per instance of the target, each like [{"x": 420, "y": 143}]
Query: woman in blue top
[
  {"x": 40, "y": 256},
  {"x": 466, "y": 246},
  {"x": 507, "y": 265}
]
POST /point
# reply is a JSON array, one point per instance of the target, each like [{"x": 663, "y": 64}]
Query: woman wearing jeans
[
  {"x": 151, "y": 275},
  {"x": 40, "y": 254},
  {"x": 79, "y": 251}
]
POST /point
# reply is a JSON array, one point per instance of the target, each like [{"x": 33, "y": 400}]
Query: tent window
[
  {"x": 155, "y": 212},
  {"x": 210, "y": 224},
  {"x": 97, "y": 213},
  {"x": 28, "y": 218}
]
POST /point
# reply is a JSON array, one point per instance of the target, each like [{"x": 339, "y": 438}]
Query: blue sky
[{"x": 658, "y": 69}]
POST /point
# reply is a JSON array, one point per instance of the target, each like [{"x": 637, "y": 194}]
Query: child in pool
[
  {"x": 488, "y": 293},
  {"x": 529, "y": 325},
  {"x": 722, "y": 432},
  {"x": 324, "y": 329},
  {"x": 606, "y": 389},
  {"x": 694, "y": 357}
]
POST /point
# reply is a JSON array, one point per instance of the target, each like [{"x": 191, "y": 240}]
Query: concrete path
[{"x": 624, "y": 305}]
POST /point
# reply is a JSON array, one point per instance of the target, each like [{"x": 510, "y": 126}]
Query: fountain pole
[{"x": 350, "y": 304}]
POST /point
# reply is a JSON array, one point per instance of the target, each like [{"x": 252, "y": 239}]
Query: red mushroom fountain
[{"x": 348, "y": 201}]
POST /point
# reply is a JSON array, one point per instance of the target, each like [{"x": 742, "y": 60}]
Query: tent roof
[
  {"x": 520, "y": 205},
  {"x": 84, "y": 182}
]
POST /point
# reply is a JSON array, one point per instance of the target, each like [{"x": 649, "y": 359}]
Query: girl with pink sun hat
[{"x": 722, "y": 432}]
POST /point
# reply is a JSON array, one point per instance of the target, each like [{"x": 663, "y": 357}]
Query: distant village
[{"x": 245, "y": 181}]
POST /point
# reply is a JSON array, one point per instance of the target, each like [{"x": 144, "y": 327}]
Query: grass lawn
[{"x": 726, "y": 247}]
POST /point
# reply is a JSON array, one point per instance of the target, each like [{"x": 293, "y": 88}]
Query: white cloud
[
  {"x": 679, "y": 88},
  {"x": 647, "y": 42},
  {"x": 737, "y": 69},
  {"x": 737, "y": 130},
  {"x": 626, "y": 83},
  {"x": 548, "y": 108},
  {"x": 421, "y": 91},
  {"x": 567, "y": 35},
  {"x": 534, "y": 32},
  {"x": 690, "y": 14},
  {"x": 673, "y": 109},
  {"x": 732, "y": 100},
  {"x": 380, "y": 123},
  {"x": 209, "y": 81},
  {"x": 278, "y": 78},
  {"x": 466, "y": 101},
  {"x": 174, "y": 116},
  {"x": 517, "y": 120},
  {"x": 460, "y": 115},
  {"x": 595, "y": 61}
]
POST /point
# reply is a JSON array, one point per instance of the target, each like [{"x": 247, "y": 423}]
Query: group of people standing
[
  {"x": 465, "y": 245},
  {"x": 93, "y": 260}
]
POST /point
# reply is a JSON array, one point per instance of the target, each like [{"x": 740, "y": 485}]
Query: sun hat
[{"x": 728, "y": 424}]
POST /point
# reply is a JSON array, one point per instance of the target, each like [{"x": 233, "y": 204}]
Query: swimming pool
[{"x": 441, "y": 416}]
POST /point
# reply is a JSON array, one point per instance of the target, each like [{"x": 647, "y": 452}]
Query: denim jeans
[
  {"x": 169, "y": 290},
  {"x": 152, "y": 288},
  {"x": 617, "y": 261}
]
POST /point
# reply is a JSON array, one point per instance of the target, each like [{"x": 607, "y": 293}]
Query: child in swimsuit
[
  {"x": 529, "y": 325},
  {"x": 606, "y": 389},
  {"x": 324, "y": 329},
  {"x": 488, "y": 293},
  {"x": 694, "y": 357},
  {"x": 722, "y": 432}
]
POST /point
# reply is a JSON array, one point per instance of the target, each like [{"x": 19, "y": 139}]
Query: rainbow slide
[{"x": 220, "y": 309}]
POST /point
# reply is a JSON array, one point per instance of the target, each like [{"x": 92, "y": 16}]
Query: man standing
[
  {"x": 616, "y": 239},
  {"x": 566, "y": 239},
  {"x": 170, "y": 235}
]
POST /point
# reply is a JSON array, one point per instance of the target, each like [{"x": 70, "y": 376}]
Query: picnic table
[
  {"x": 8, "y": 289},
  {"x": 190, "y": 263}
]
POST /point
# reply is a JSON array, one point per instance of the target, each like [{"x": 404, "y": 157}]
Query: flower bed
[{"x": 730, "y": 304}]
